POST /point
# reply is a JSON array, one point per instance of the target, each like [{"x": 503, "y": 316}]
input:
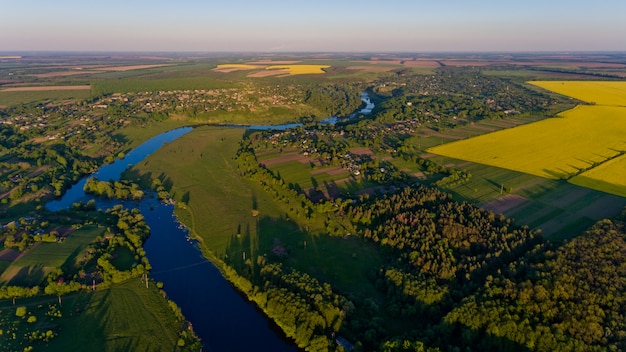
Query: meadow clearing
[
  {"x": 126, "y": 316},
  {"x": 32, "y": 267}
]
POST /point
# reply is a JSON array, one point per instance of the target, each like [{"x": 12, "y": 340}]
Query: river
[{"x": 222, "y": 318}]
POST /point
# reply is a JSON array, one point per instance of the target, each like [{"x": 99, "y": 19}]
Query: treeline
[
  {"x": 305, "y": 309},
  {"x": 113, "y": 189},
  {"x": 568, "y": 298},
  {"x": 443, "y": 247},
  {"x": 334, "y": 99}
]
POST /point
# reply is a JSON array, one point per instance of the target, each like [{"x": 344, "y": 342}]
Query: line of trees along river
[{"x": 221, "y": 317}]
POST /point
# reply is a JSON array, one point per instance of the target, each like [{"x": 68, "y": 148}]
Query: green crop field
[
  {"x": 125, "y": 317},
  {"x": 23, "y": 97},
  {"x": 32, "y": 268}
]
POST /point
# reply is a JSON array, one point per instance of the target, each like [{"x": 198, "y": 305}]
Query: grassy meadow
[
  {"x": 32, "y": 268},
  {"x": 233, "y": 216},
  {"x": 125, "y": 317},
  {"x": 9, "y": 98}
]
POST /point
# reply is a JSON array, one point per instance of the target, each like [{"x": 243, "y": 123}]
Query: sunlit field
[
  {"x": 554, "y": 148},
  {"x": 597, "y": 92},
  {"x": 579, "y": 143},
  {"x": 300, "y": 69}
]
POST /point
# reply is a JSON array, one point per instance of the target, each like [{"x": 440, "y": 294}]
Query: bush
[{"x": 20, "y": 311}]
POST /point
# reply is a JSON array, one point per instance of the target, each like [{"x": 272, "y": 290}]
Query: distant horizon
[
  {"x": 279, "y": 53},
  {"x": 281, "y": 26}
]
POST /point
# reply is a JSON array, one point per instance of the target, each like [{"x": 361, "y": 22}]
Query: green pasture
[
  {"x": 24, "y": 97},
  {"x": 300, "y": 174},
  {"x": 233, "y": 215},
  {"x": 125, "y": 317},
  {"x": 33, "y": 267},
  {"x": 560, "y": 209}
]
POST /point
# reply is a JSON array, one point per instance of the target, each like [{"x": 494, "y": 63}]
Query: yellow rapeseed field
[
  {"x": 609, "y": 177},
  {"x": 583, "y": 138},
  {"x": 598, "y": 92},
  {"x": 300, "y": 69},
  {"x": 552, "y": 148}
]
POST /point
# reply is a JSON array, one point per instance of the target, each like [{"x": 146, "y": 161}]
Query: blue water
[{"x": 223, "y": 318}]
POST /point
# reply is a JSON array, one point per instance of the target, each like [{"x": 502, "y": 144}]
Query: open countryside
[
  {"x": 575, "y": 142},
  {"x": 334, "y": 234}
]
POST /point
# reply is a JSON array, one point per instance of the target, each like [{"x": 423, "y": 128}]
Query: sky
[{"x": 313, "y": 26}]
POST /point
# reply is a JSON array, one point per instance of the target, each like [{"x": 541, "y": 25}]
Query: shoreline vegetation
[{"x": 356, "y": 236}]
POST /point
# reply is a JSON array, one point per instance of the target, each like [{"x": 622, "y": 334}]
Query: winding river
[{"x": 222, "y": 318}]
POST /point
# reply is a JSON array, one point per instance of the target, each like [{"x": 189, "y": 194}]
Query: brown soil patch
[
  {"x": 428, "y": 155},
  {"x": 267, "y": 73},
  {"x": 3, "y": 106},
  {"x": 504, "y": 203},
  {"x": 129, "y": 68},
  {"x": 335, "y": 170},
  {"x": 421, "y": 63},
  {"x": 43, "y": 88},
  {"x": 361, "y": 151},
  {"x": 467, "y": 163},
  {"x": 9, "y": 254},
  {"x": 286, "y": 158},
  {"x": 419, "y": 174},
  {"x": 39, "y": 171}
]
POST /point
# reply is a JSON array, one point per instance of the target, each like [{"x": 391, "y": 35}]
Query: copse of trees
[
  {"x": 113, "y": 189},
  {"x": 566, "y": 298}
]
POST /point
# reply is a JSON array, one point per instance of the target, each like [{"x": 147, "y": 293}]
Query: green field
[
  {"x": 32, "y": 268},
  {"x": 232, "y": 215},
  {"x": 23, "y": 97},
  {"x": 125, "y": 317}
]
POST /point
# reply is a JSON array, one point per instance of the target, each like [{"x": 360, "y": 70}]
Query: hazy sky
[{"x": 321, "y": 25}]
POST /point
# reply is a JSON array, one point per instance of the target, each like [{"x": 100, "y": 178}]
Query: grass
[
  {"x": 125, "y": 317},
  {"x": 559, "y": 208},
  {"x": 32, "y": 268},
  {"x": 219, "y": 209},
  {"x": 23, "y": 97}
]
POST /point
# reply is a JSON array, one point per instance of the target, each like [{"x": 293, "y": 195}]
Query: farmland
[
  {"x": 556, "y": 148},
  {"x": 609, "y": 93},
  {"x": 126, "y": 316},
  {"x": 32, "y": 267},
  {"x": 356, "y": 229}
]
